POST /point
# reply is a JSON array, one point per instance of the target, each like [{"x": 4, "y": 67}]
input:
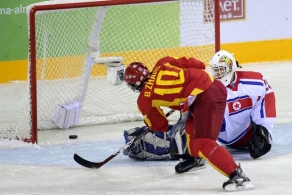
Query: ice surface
[{"x": 49, "y": 168}]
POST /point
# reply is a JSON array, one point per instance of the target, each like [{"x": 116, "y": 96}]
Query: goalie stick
[{"x": 97, "y": 165}]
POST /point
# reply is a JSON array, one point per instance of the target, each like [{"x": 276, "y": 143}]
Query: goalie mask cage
[{"x": 65, "y": 37}]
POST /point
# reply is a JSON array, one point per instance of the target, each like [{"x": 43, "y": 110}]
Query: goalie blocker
[{"x": 157, "y": 145}]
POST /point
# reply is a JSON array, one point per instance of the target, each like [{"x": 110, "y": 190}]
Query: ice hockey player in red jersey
[
  {"x": 183, "y": 84},
  {"x": 251, "y": 107}
]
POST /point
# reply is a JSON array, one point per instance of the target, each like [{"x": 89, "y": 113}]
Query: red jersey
[{"x": 174, "y": 83}]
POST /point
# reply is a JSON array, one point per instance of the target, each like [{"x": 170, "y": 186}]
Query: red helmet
[{"x": 136, "y": 74}]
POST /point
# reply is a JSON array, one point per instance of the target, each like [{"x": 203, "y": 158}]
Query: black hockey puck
[{"x": 73, "y": 136}]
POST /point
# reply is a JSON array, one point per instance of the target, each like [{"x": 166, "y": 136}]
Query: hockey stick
[{"x": 97, "y": 165}]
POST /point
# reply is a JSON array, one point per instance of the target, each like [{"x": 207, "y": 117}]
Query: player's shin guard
[{"x": 217, "y": 156}]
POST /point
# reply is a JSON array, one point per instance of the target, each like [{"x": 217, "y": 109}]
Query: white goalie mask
[{"x": 223, "y": 65}]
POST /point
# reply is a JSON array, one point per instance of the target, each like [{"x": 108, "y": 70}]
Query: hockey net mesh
[{"x": 142, "y": 32}]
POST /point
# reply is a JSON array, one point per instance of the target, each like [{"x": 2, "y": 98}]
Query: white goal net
[{"x": 67, "y": 36}]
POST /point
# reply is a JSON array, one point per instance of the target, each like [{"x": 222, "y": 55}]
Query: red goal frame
[{"x": 32, "y": 44}]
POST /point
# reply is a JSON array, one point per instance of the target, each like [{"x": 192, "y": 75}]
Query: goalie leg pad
[
  {"x": 158, "y": 145},
  {"x": 152, "y": 146},
  {"x": 178, "y": 141}
]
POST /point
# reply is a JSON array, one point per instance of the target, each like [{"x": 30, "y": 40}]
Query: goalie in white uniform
[
  {"x": 248, "y": 120},
  {"x": 250, "y": 110}
]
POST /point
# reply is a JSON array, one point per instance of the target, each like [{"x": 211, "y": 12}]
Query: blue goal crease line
[{"x": 62, "y": 154}]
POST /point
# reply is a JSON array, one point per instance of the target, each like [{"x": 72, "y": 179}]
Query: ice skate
[
  {"x": 192, "y": 164},
  {"x": 238, "y": 181}
]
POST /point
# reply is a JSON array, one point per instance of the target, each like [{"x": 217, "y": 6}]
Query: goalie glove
[{"x": 261, "y": 141}]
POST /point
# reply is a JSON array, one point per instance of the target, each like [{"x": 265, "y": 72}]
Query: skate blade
[
  {"x": 197, "y": 168},
  {"x": 193, "y": 169},
  {"x": 247, "y": 185}
]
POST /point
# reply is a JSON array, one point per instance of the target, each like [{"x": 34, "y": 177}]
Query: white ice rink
[{"x": 49, "y": 168}]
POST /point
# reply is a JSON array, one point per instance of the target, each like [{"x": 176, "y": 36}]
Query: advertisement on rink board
[
  {"x": 232, "y": 9},
  {"x": 229, "y": 9}
]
